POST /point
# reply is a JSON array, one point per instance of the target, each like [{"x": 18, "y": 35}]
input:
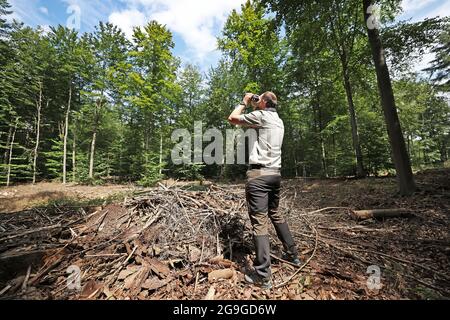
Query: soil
[
  {"x": 344, "y": 258},
  {"x": 22, "y": 197}
]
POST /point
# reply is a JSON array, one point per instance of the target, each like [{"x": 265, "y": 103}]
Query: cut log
[
  {"x": 380, "y": 214},
  {"x": 220, "y": 274}
]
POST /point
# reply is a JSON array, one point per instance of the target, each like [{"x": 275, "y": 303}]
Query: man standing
[{"x": 264, "y": 183}]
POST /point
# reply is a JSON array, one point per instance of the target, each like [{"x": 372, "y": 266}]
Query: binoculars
[{"x": 255, "y": 98}]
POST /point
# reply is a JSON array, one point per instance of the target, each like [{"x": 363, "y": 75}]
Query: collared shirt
[{"x": 266, "y": 148}]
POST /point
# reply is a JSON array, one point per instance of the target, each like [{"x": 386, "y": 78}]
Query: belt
[{"x": 260, "y": 166}]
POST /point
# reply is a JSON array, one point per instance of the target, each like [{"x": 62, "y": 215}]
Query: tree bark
[
  {"x": 91, "y": 162},
  {"x": 38, "y": 127},
  {"x": 345, "y": 49},
  {"x": 8, "y": 140},
  {"x": 8, "y": 176},
  {"x": 160, "y": 154},
  {"x": 66, "y": 133},
  {"x": 1, "y": 136},
  {"x": 323, "y": 154},
  {"x": 354, "y": 125},
  {"x": 94, "y": 137},
  {"x": 74, "y": 162},
  {"x": 335, "y": 156},
  {"x": 402, "y": 162}
]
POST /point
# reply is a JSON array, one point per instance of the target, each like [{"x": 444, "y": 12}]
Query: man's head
[{"x": 267, "y": 100}]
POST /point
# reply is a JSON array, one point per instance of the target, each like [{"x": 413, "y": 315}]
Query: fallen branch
[
  {"x": 380, "y": 214},
  {"x": 57, "y": 226}
]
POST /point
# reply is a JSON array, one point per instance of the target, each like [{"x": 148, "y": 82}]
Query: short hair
[{"x": 270, "y": 98}]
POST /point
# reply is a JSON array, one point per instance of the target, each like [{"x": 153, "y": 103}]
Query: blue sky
[{"x": 195, "y": 23}]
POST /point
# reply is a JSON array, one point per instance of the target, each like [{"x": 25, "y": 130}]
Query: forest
[
  {"x": 94, "y": 207},
  {"x": 97, "y": 107}
]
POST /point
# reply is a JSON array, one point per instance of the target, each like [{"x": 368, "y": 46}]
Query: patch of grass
[
  {"x": 194, "y": 187},
  {"x": 84, "y": 203}
]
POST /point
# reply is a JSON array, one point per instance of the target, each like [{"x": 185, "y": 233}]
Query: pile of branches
[
  {"x": 172, "y": 243},
  {"x": 164, "y": 244}
]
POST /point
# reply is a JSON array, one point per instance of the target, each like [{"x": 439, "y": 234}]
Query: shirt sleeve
[{"x": 253, "y": 119}]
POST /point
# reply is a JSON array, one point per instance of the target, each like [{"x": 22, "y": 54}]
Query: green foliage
[
  {"x": 250, "y": 41},
  {"x": 53, "y": 159},
  {"x": 407, "y": 42},
  {"x": 190, "y": 172},
  {"x": 440, "y": 69},
  {"x": 151, "y": 170},
  {"x": 129, "y": 95}
]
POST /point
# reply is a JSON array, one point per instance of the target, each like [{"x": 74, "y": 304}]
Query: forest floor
[
  {"x": 26, "y": 196},
  {"x": 194, "y": 242}
]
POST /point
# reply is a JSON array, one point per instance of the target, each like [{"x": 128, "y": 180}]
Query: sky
[{"x": 195, "y": 24}]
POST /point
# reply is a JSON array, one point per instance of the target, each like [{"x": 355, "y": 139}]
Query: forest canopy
[{"x": 99, "y": 107}]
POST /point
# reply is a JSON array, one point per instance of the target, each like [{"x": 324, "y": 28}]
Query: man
[{"x": 264, "y": 183}]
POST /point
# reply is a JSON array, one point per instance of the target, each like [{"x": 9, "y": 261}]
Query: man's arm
[{"x": 236, "y": 114}]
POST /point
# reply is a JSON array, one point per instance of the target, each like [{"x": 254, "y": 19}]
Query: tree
[
  {"x": 251, "y": 42},
  {"x": 66, "y": 45},
  {"x": 400, "y": 155},
  {"x": 108, "y": 50},
  {"x": 192, "y": 95},
  {"x": 336, "y": 23},
  {"x": 406, "y": 42},
  {"x": 424, "y": 115},
  {"x": 152, "y": 90},
  {"x": 440, "y": 69}
]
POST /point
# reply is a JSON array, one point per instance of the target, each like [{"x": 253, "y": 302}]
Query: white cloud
[
  {"x": 411, "y": 6},
  {"x": 128, "y": 19},
  {"x": 44, "y": 10},
  {"x": 27, "y": 11},
  {"x": 442, "y": 10},
  {"x": 196, "y": 22},
  {"x": 419, "y": 10}
]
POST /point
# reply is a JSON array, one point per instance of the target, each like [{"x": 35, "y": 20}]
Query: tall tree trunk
[
  {"x": 160, "y": 154},
  {"x": 38, "y": 127},
  {"x": 335, "y": 156},
  {"x": 296, "y": 165},
  {"x": 402, "y": 162},
  {"x": 323, "y": 154},
  {"x": 8, "y": 176},
  {"x": 409, "y": 145},
  {"x": 66, "y": 133},
  {"x": 324, "y": 157},
  {"x": 1, "y": 136},
  {"x": 8, "y": 140},
  {"x": 351, "y": 109},
  {"x": 74, "y": 161},
  {"x": 99, "y": 104},
  {"x": 91, "y": 162}
]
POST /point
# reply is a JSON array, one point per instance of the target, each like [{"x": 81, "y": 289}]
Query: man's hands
[
  {"x": 235, "y": 115},
  {"x": 247, "y": 99}
]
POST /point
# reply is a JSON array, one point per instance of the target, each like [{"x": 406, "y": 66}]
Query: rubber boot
[
  {"x": 262, "y": 274},
  {"x": 290, "y": 249}
]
